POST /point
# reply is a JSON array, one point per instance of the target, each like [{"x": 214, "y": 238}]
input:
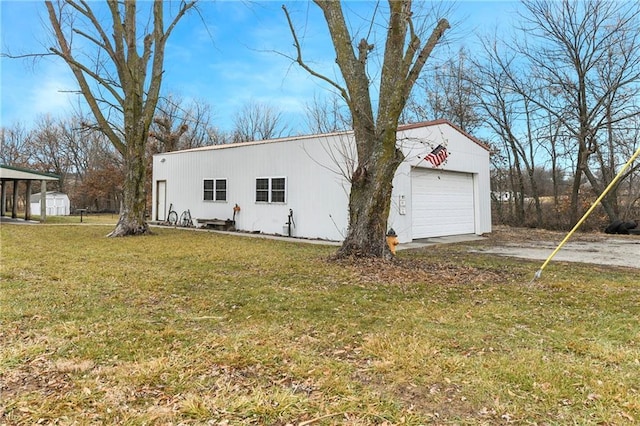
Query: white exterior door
[
  {"x": 442, "y": 203},
  {"x": 161, "y": 200}
]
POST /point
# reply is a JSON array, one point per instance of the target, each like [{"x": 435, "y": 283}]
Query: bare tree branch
[{"x": 307, "y": 68}]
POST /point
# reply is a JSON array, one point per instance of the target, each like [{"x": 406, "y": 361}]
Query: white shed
[
  {"x": 57, "y": 203},
  {"x": 305, "y": 175}
]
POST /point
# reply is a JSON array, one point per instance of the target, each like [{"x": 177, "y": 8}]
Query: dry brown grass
[
  {"x": 506, "y": 234},
  {"x": 196, "y": 328}
]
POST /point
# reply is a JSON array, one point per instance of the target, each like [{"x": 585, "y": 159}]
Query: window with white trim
[
  {"x": 271, "y": 190},
  {"x": 215, "y": 190}
]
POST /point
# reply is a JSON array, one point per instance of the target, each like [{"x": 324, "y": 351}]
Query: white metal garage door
[{"x": 441, "y": 203}]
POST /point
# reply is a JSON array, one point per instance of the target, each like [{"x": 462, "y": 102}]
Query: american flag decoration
[{"x": 437, "y": 156}]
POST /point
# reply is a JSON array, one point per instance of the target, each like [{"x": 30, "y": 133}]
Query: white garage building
[{"x": 305, "y": 175}]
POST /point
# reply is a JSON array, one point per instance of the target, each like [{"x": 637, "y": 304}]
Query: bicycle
[
  {"x": 172, "y": 216},
  {"x": 185, "y": 219}
]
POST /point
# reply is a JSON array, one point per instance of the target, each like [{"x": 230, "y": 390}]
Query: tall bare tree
[
  {"x": 447, "y": 90},
  {"x": 95, "y": 175},
  {"x": 180, "y": 125},
  {"x": 403, "y": 57},
  {"x": 50, "y": 150},
  {"x": 15, "y": 145},
  {"x": 327, "y": 115},
  {"x": 257, "y": 121},
  {"x": 512, "y": 118},
  {"x": 120, "y": 81},
  {"x": 586, "y": 54}
]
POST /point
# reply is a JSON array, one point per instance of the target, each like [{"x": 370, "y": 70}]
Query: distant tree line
[
  {"x": 558, "y": 104},
  {"x": 91, "y": 169}
]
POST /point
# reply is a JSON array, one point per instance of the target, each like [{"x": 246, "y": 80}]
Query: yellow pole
[{"x": 538, "y": 274}]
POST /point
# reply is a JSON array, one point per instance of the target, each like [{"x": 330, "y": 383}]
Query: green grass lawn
[
  {"x": 87, "y": 218},
  {"x": 186, "y": 327}
]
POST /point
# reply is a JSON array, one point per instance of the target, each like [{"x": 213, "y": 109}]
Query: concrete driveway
[
  {"x": 17, "y": 221},
  {"x": 612, "y": 251}
]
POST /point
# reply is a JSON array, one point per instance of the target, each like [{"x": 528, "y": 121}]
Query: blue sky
[{"x": 224, "y": 56}]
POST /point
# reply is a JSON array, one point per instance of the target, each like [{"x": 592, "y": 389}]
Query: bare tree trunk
[
  {"x": 369, "y": 205},
  {"x": 598, "y": 189},
  {"x": 133, "y": 95},
  {"x": 133, "y": 210},
  {"x": 575, "y": 193},
  {"x": 378, "y": 158},
  {"x": 518, "y": 191}
]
